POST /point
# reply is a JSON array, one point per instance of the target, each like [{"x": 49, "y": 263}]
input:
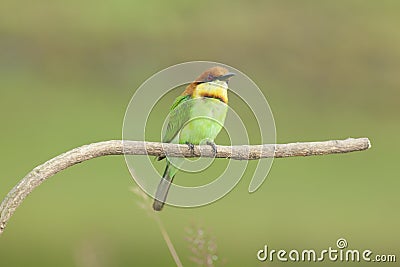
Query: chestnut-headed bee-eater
[{"x": 196, "y": 117}]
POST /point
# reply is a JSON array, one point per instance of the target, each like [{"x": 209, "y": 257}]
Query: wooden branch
[{"x": 117, "y": 147}]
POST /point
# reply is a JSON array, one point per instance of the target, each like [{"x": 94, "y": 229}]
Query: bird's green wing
[{"x": 178, "y": 116}]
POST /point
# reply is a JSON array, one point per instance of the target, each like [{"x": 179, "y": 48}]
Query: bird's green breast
[
  {"x": 200, "y": 116},
  {"x": 207, "y": 117}
]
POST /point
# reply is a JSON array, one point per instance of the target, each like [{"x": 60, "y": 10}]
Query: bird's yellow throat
[{"x": 214, "y": 89}]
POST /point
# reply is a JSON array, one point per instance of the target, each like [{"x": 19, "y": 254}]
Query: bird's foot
[
  {"x": 190, "y": 147},
  {"x": 213, "y": 145}
]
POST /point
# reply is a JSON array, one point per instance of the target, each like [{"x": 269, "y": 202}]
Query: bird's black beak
[{"x": 226, "y": 77}]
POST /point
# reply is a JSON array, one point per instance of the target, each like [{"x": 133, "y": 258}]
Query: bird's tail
[{"x": 163, "y": 188}]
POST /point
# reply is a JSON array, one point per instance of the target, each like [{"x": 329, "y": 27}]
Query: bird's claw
[
  {"x": 213, "y": 145},
  {"x": 190, "y": 147}
]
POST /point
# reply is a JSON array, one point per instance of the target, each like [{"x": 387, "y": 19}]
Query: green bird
[{"x": 196, "y": 117}]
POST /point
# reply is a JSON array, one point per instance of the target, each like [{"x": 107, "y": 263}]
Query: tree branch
[{"x": 117, "y": 147}]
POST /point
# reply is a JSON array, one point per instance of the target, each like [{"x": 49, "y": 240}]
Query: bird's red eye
[{"x": 210, "y": 77}]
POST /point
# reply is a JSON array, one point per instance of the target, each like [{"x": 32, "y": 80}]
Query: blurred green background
[{"x": 329, "y": 70}]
